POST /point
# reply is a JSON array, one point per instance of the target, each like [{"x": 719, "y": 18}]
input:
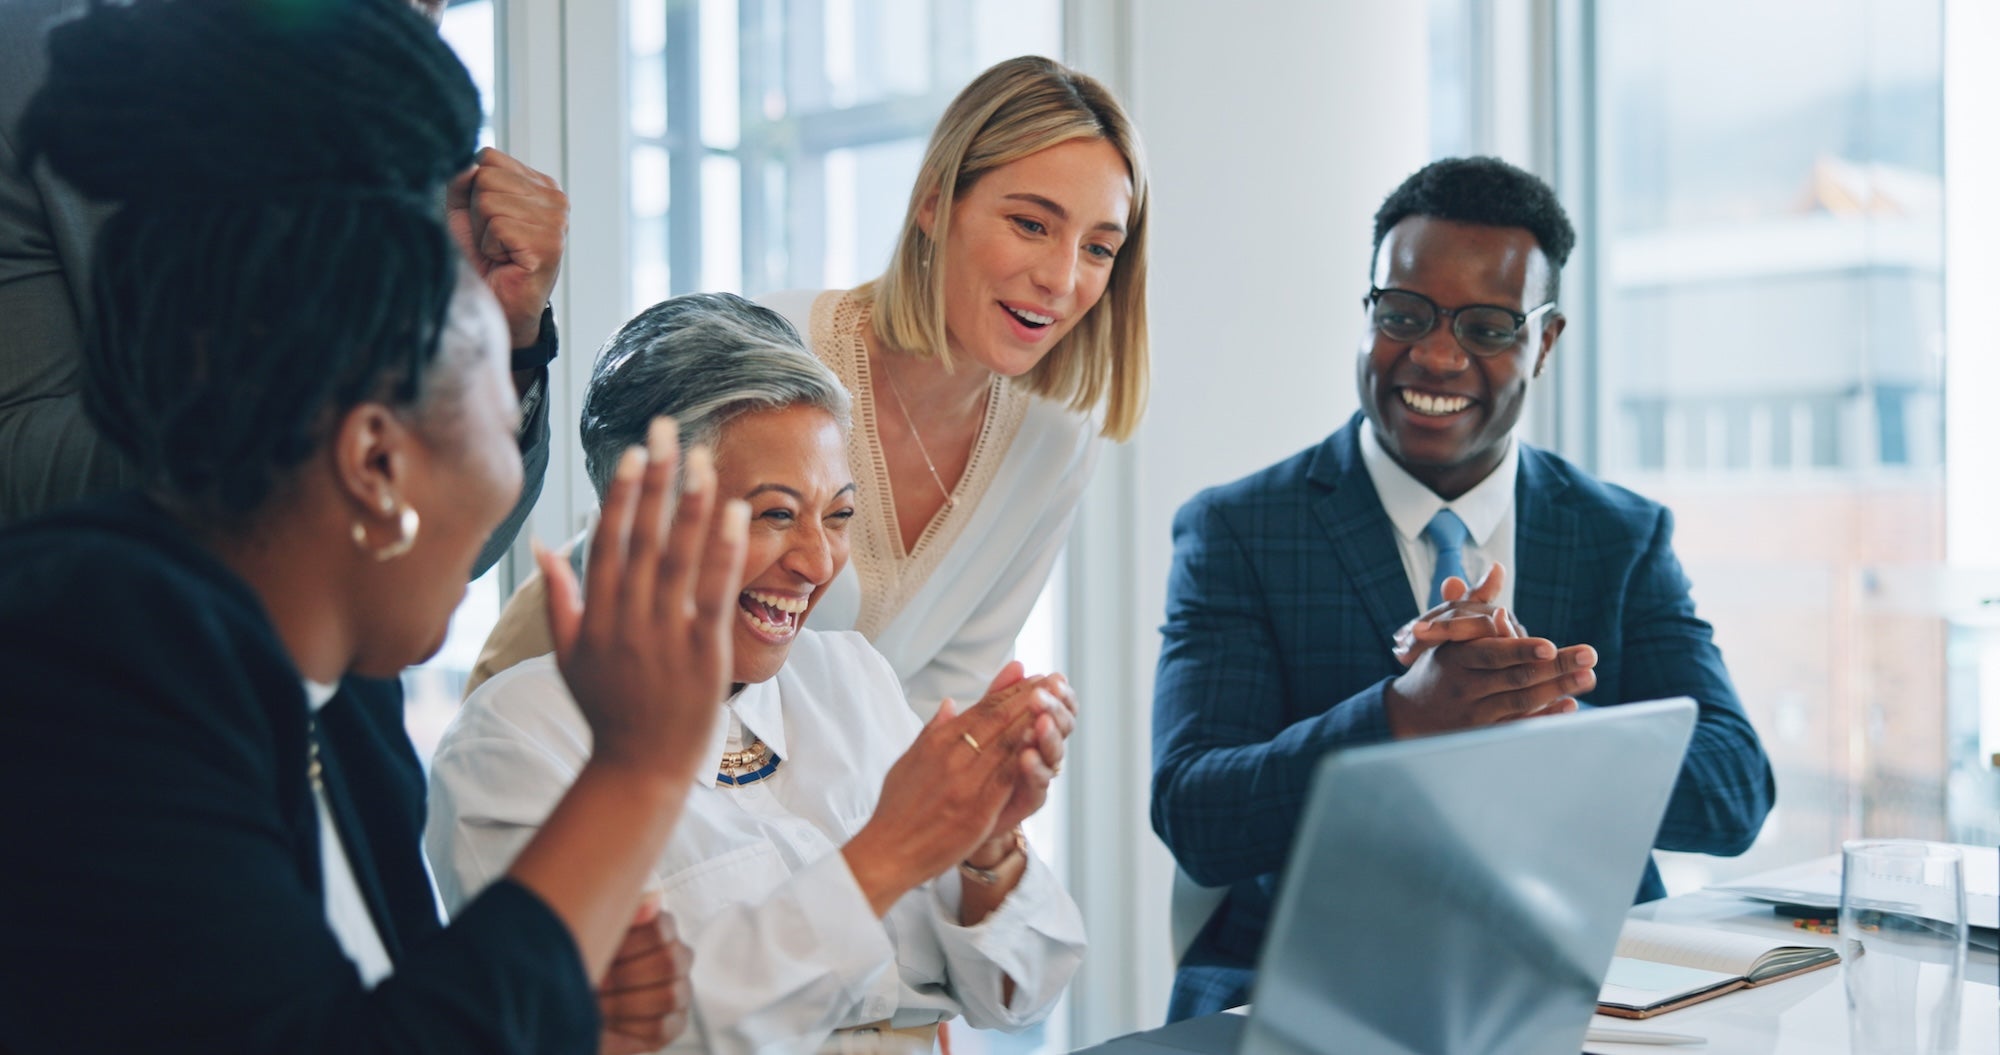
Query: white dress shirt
[
  {"x": 346, "y": 910},
  {"x": 1487, "y": 510},
  {"x": 786, "y": 946}
]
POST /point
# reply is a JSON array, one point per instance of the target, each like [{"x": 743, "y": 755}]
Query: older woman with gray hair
[{"x": 841, "y": 866}]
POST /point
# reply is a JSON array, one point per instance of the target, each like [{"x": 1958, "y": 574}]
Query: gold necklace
[
  {"x": 747, "y": 759},
  {"x": 949, "y": 501},
  {"x": 747, "y": 766}
]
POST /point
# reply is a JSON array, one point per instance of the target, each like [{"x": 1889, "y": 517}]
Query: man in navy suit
[{"x": 1312, "y": 605}]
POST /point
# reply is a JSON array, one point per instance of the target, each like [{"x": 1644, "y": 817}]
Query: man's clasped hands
[{"x": 1470, "y": 662}]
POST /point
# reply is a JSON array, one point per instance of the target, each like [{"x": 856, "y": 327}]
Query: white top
[
  {"x": 946, "y": 614},
  {"x": 346, "y": 910},
  {"x": 786, "y": 946},
  {"x": 1487, "y": 510}
]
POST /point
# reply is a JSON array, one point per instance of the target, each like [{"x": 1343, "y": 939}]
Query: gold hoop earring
[{"x": 407, "y": 523}]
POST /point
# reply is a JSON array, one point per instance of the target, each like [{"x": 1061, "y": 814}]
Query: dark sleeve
[
  {"x": 534, "y": 441},
  {"x": 162, "y": 889},
  {"x": 1725, "y": 787},
  {"x": 1230, "y": 772},
  {"x": 50, "y": 453}
]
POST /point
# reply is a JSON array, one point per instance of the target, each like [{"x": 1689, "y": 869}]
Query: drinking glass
[{"x": 1902, "y": 931}]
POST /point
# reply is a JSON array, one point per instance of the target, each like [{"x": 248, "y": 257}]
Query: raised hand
[
  {"x": 648, "y": 659},
  {"x": 645, "y": 999},
  {"x": 648, "y": 662},
  {"x": 511, "y": 222},
  {"x": 1463, "y": 684}
]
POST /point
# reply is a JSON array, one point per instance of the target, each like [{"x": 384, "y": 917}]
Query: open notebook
[{"x": 1661, "y": 967}]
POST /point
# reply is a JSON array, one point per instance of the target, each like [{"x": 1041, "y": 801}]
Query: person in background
[
  {"x": 845, "y": 872},
  {"x": 510, "y": 221},
  {"x": 212, "y": 812},
  {"x": 1007, "y": 336},
  {"x": 1322, "y": 602}
]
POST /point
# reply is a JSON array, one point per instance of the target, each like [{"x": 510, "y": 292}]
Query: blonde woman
[{"x": 1005, "y": 341}]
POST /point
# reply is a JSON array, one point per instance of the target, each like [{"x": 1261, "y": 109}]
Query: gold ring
[{"x": 970, "y": 742}]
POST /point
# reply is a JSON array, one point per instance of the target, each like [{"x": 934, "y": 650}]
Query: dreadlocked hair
[{"x": 280, "y": 254}]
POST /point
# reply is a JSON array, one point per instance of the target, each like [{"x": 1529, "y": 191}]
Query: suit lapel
[
  {"x": 1362, "y": 537},
  {"x": 361, "y": 858},
  {"x": 1546, "y": 534}
]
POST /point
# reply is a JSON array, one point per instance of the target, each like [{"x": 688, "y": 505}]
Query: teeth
[
  {"x": 765, "y": 625},
  {"x": 1424, "y": 403},
  {"x": 781, "y": 602},
  {"x": 1031, "y": 317}
]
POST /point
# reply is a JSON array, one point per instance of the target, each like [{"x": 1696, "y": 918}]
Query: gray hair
[{"x": 704, "y": 359}]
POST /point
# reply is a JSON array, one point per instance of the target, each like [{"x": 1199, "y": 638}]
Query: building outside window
[{"x": 1757, "y": 341}]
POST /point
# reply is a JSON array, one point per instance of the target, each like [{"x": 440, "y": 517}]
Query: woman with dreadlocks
[{"x": 210, "y": 812}]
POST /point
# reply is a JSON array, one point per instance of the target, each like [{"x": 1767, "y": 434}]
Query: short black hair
[
  {"x": 280, "y": 255},
  {"x": 1482, "y": 190}
]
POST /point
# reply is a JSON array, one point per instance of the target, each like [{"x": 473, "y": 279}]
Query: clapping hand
[
  {"x": 649, "y": 663},
  {"x": 1042, "y": 757},
  {"x": 1467, "y": 614},
  {"x": 648, "y": 659},
  {"x": 947, "y": 794},
  {"x": 1464, "y": 684}
]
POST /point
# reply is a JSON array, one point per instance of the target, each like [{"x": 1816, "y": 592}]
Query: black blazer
[{"x": 161, "y": 888}]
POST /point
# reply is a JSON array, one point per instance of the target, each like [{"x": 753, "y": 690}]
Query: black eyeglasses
[{"x": 1482, "y": 329}]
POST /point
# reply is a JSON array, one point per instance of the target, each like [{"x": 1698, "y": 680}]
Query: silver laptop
[{"x": 1458, "y": 893}]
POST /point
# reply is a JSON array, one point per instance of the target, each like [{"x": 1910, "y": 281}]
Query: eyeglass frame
[{"x": 1442, "y": 313}]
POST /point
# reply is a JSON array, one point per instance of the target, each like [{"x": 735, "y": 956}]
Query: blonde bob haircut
[{"x": 1017, "y": 108}]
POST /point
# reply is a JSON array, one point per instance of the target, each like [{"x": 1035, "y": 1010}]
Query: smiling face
[
  {"x": 1441, "y": 412},
  {"x": 1029, "y": 251},
  {"x": 790, "y": 464}
]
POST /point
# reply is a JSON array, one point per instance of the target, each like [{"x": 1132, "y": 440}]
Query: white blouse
[
  {"x": 347, "y": 912},
  {"x": 786, "y": 947},
  {"x": 946, "y": 614}
]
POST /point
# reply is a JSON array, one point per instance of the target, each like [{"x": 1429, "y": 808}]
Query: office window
[
  {"x": 1457, "y": 77},
  {"x": 774, "y": 141},
  {"x": 1757, "y": 341},
  {"x": 432, "y": 689}
]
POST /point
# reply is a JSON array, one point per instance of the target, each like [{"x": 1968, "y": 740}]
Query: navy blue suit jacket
[{"x": 1286, "y": 590}]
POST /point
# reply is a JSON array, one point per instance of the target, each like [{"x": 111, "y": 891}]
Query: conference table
[{"x": 1804, "y": 1015}]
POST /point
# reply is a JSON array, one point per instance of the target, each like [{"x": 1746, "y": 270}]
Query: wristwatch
[
  {"x": 991, "y": 876},
  {"x": 543, "y": 351}
]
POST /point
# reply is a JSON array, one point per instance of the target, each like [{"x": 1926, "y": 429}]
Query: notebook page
[
  {"x": 1641, "y": 984},
  {"x": 1708, "y": 950}
]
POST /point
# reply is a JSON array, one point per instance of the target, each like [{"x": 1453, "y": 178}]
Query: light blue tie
[{"x": 1448, "y": 534}]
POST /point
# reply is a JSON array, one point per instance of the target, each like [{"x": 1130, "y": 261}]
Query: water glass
[{"x": 1902, "y": 936}]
